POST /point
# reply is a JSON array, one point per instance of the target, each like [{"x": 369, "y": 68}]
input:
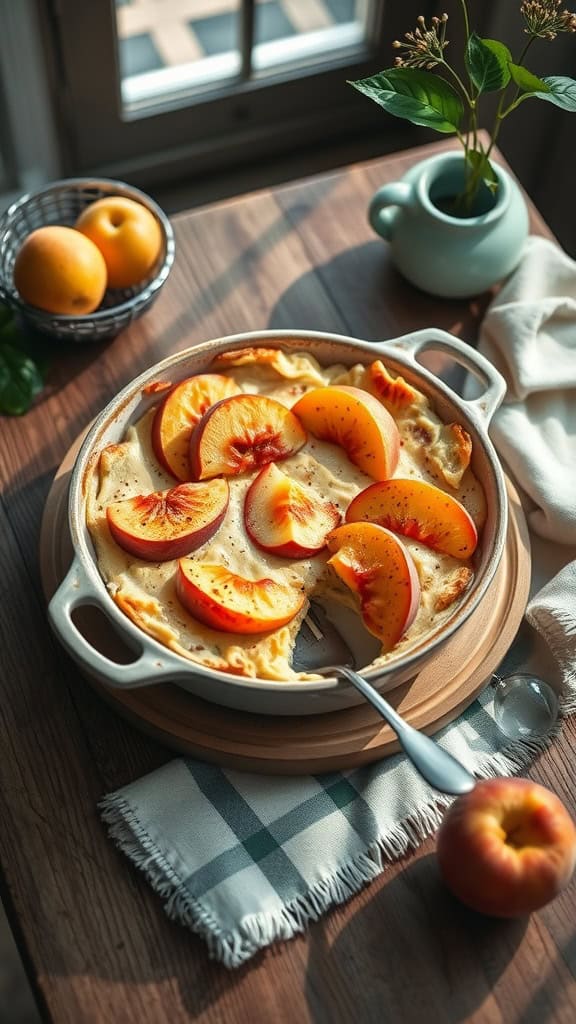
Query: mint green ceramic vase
[{"x": 453, "y": 257}]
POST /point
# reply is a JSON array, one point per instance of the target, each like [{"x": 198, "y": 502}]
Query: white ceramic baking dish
[{"x": 154, "y": 663}]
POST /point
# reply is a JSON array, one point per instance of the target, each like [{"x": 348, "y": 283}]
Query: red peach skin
[
  {"x": 233, "y": 604},
  {"x": 378, "y": 568},
  {"x": 507, "y": 848},
  {"x": 169, "y": 524},
  {"x": 178, "y": 414},
  {"x": 419, "y": 510},
  {"x": 285, "y": 518},
  {"x": 243, "y": 433}
]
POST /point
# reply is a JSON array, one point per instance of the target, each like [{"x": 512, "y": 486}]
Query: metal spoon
[{"x": 318, "y": 638}]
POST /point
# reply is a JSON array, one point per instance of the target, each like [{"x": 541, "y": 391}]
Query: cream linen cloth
[
  {"x": 246, "y": 860},
  {"x": 529, "y": 333}
]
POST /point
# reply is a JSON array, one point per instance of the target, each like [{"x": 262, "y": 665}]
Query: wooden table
[{"x": 94, "y": 937}]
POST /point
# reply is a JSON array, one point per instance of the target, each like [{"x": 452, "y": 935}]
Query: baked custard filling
[{"x": 311, "y": 478}]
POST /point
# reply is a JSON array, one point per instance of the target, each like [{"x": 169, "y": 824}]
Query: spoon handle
[{"x": 435, "y": 765}]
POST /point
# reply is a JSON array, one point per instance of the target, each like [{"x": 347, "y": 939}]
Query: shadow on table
[
  {"x": 17, "y": 1004},
  {"x": 372, "y": 300},
  {"x": 423, "y": 952}
]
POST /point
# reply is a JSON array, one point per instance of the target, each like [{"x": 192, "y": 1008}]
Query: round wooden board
[{"x": 314, "y": 743}]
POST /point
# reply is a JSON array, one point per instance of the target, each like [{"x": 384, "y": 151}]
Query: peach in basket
[{"x": 60, "y": 204}]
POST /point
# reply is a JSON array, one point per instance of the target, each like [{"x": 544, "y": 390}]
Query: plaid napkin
[{"x": 245, "y": 860}]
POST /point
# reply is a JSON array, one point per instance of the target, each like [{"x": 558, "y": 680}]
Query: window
[
  {"x": 158, "y": 89},
  {"x": 27, "y": 141},
  {"x": 180, "y": 46}
]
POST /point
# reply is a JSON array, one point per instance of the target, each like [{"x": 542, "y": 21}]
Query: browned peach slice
[
  {"x": 451, "y": 452},
  {"x": 354, "y": 419},
  {"x": 157, "y": 387},
  {"x": 179, "y": 412},
  {"x": 285, "y": 518},
  {"x": 299, "y": 365},
  {"x": 168, "y": 524},
  {"x": 242, "y": 433},
  {"x": 251, "y": 354},
  {"x": 394, "y": 392},
  {"x": 379, "y": 570},
  {"x": 419, "y": 510},
  {"x": 222, "y": 600}
]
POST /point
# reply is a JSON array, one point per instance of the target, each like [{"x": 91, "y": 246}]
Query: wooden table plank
[
  {"x": 354, "y": 264},
  {"x": 94, "y": 935}
]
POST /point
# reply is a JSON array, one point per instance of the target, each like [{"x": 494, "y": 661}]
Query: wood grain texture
[{"x": 96, "y": 942}]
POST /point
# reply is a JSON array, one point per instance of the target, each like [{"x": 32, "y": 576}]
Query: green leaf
[
  {"x": 526, "y": 81},
  {"x": 560, "y": 90},
  {"x": 415, "y": 95},
  {"x": 487, "y": 63},
  {"x": 481, "y": 166},
  {"x": 31, "y": 344},
  {"x": 20, "y": 380}
]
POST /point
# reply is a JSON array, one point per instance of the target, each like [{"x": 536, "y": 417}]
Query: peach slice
[
  {"x": 357, "y": 421},
  {"x": 285, "y": 518},
  {"x": 168, "y": 524},
  {"x": 242, "y": 433},
  {"x": 179, "y": 412},
  {"x": 419, "y": 510},
  {"x": 224, "y": 601},
  {"x": 394, "y": 392},
  {"x": 380, "y": 571}
]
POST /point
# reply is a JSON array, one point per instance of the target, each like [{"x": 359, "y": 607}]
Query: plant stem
[
  {"x": 525, "y": 50},
  {"x": 500, "y": 112},
  {"x": 466, "y": 19},
  {"x": 470, "y": 178},
  {"x": 457, "y": 78}
]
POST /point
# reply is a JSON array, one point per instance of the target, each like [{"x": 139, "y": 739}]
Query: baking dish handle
[
  {"x": 149, "y": 667},
  {"x": 488, "y": 378}
]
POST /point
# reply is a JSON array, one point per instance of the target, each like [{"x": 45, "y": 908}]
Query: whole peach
[
  {"x": 128, "y": 236},
  {"x": 59, "y": 270},
  {"x": 507, "y": 848}
]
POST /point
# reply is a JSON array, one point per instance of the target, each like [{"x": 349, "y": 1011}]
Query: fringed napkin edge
[
  {"x": 257, "y": 931},
  {"x": 559, "y": 629}
]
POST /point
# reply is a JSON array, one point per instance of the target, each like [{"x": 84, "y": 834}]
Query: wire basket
[{"x": 61, "y": 203}]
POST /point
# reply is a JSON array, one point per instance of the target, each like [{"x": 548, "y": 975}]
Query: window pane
[
  {"x": 292, "y": 31},
  {"x": 277, "y": 19},
  {"x": 166, "y": 47},
  {"x": 170, "y": 47}
]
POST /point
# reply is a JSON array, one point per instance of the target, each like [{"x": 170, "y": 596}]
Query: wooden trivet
[{"x": 321, "y": 742}]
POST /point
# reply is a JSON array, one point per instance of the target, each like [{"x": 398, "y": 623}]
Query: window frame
[{"x": 231, "y": 123}]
